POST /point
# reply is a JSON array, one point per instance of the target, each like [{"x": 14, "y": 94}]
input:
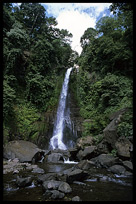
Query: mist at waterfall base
[{"x": 63, "y": 131}]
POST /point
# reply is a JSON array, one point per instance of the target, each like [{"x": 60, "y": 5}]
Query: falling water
[{"x": 56, "y": 140}]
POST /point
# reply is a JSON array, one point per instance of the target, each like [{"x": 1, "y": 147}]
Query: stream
[{"x": 102, "y": 186}]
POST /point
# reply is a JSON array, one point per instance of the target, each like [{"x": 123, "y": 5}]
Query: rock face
[
  {"x": 56, "y": 189},
  {"x": 110, "y": 132},
  {"x": 76, "y": 198},
  {"x": 85, "y": 164},
  {"x": 87, "y": 153},
  {"x": 84, "y": 141},
  {"x": 123, "y": 147},
  {"x": 105, "y": 160},
  {"x": 55, "y": 158},
  {"x": 117, "y": 169},
  {"x": 23, "y": 182},
  {"x": 76, "y": 175},
  {"x": 23, "y": 150},
  {"x": 65, "y": 187}
]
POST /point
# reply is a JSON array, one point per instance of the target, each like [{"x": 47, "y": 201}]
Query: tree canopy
[
  {"x": 35, "y": 55},
  {"x": 108, "y": 47}
]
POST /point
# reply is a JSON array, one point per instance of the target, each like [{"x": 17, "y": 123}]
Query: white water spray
[{"x": 56, "y": 140}]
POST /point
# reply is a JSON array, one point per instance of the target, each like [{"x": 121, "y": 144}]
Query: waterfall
[{"x": 56, "y": 140}]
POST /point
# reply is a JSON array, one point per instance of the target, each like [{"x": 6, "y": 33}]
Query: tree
[{"x": 89, "y": 35}]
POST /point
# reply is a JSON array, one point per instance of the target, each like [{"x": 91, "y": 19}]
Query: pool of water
[{"x": 100, "y": 186}]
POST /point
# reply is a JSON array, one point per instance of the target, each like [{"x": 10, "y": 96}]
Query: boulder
[
  {"x": 128, "y": 165},
  {"x": 57, "y": 185},
  {"x": 123, "y": 146},
  {"x": 53, "y": 194},
  {"x": 49, "y": 185},
  {"x": 105, "y": 160},
  {"x": 110, "y": 132},
  {"x": 87, "y": 153},
  {"x": 76, "y": 175},
  {"x": 65, "y": 153},
  {"x": 84, "y": 141},
  {"x": 38, "y": 170},
  {"x": 73, "y": 153},
  {"x": 85, "y": 164},
  {"x": 57, "y": 194},
  {"x": 65, "y": 187},
  {"x": 102, "y": 147},
  {"x": 23, "y": 182},
  {"x": 23, "y": 150},
  {"x": 46, "y": 177},
  {"x": 55, "y": 158},
  {"x": 76, "y": 198},
  {"x": 117, "y": 169}
]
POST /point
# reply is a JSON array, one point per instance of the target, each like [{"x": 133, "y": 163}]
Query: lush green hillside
[
  {"x": 36, "y": 55},
  {"x": 104, "y": 81},
  {"x": 35, "y": 58}
]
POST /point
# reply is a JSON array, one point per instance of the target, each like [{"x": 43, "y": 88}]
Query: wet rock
[
  {"x": 123, "y": 147},
  {"x": 65, "y": 153},
  {"x": 87, "y": 153},
  {"x": 57, "y": 194},
  {"x": 56, "y": 185},
  {"x": 53, "y": 194},
  {"x": 61, "y": 177},
  {"x": 65, "y": 187},
  {"x": 38, "y": 170},
  {"x": 105, "y": 160},
  {"x": 23, "y": 150},
  {"x": 85, "y": 164},
  {"x": 46, "y": 177},
  {"x": 49, "y": 185},
  {"x": 13, "y": 166},
  {"x": 128, "y": 165},
  {"x": 55, "y": 158},
  {"x": 68, "y": 171},
  {"x": 128, "y": 173},
  {"x": 73, "y": 153},
  {"x": 15, "y": 171},
  {"x": 23, "y": 182},
  {"x": 76, "y": 175},
  {"x": 117, "y": 169},
  {"x": 102, "y": 147},
  {"x": 79, "y": 183},
  {"x": 76, "y": 198}
]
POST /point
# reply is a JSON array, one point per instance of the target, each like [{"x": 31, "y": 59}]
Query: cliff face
[{"x": 72, "y": 125}]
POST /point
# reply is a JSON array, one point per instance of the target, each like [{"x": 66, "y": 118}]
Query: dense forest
[
  {"x": 36, "y": 55},
  {"x": 105, "y": 80}
]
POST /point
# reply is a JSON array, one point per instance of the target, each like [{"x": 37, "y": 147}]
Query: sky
[{"x": 77, "y": 17}]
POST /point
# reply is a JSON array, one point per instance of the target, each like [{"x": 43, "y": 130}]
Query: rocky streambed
[{"x": 65, "y": 175}]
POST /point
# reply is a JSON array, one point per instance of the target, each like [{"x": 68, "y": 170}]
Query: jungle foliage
[
  {"x": 35, "y": 57},
  {"x": 104, "y": 83}
]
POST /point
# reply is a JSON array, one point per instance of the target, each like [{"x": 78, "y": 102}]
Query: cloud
[
  {"x": 76, "y": 23},
  {"x": 76, "y": 18}
]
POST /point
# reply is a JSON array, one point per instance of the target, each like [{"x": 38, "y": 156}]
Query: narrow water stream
[{"x": 57, "y": 138}]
